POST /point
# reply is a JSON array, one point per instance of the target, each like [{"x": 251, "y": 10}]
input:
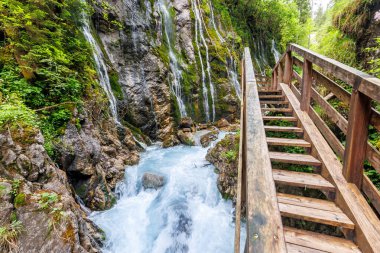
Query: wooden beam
[
  {"x": 264, "y": 225},
  {"x": 288, "y": 68},
  {"x": 370, "y": 84},
  {"x": 372, "y": 193},
  {"x": 306, "y": 85},
  {"x": 357, "y": 135}
]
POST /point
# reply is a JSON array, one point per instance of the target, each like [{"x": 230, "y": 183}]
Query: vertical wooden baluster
[
  {"x": 306, "y": 85},
  {"x": 288, "y": 68},
  {"x": 356, "y": 140},
  {"x": 280, "y": 73},
  {"x": 275, "y": 79}
]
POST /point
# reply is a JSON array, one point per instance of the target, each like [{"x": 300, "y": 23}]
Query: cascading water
[
  {"x": 275, "y": 52},
  {"x": 101, "y": 68},
  {"x": 214, "y": 24},
  {"x": 231, "y": 65},
  {"x": 188, "y": 214},
  {"x": 200, "y": 38},
  {"x": 174, "y": 66}
]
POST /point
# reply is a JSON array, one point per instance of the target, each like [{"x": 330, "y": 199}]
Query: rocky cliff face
[
  {"x": 37, "y": 208},
  {"x": 142, "y": 49}
]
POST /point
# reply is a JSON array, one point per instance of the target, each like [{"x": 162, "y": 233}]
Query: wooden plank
[
  {"x": 283, "y": 129},
  {"x": 293, "y": 248},
  {"x": 367, "y": 84},
  {"x": 317, "y": 241},
  {"x": 284, "y": 118},
  {"x": 241, "y": 180},
  {"x": 287, "y": 142},
  {"x": 372, "y": 193},
  {"x": 308, "y": 202},
  {"x": 269, "y": 109},
  {"x": 272, "y": 92},
  {"x": 264, "y": 225},
  {"x": 301, "y": 179},
  {"x": 269, "y": 102},
  {"x": 271, "y": 96},
  {"x": 332, "y": 218},
  {"x": 357, "y": 135},
  {"x": 283, "y": 157},
  {"x": 306, "y": 85},
  {"x": 348, "y": 197}
]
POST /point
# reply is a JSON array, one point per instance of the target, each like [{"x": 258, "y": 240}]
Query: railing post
[
  {"x": 280, "y": 73},
  {"x": 307, "y": 80},
  {"x": 288, "y": 68},
  {"x": 275, "y": 79},
  {"x": 356, "y": 140}
]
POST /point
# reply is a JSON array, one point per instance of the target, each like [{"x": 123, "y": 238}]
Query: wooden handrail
[
  {"x": 264, "y": 226},
  {"x": 365, "y": 89}
]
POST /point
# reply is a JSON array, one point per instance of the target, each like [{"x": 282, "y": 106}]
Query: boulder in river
[
  {"x": 222, "y": 123},
  {"x": 186, "y": 122},
  {"x": 186, "y": 138},
  {"x": 206, "y": 139},
  {"x": 152, "y": 181}
]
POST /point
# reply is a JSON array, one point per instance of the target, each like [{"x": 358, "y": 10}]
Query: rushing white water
[
  {"x": 199, "y": 37},
  {"x": 275, "y": 52},
  {"x": 232, "y": 75},
  {"x": 174, "y": 66},
  {"x": 188, "y": 214},
  {"x": 214, "y": 24},
  {"x": 101, "y": 68}
]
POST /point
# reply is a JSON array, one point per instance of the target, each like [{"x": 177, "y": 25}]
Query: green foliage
[
  {"x": 230, "y": 155},
  {"x": 16, "y": 184},
  {"x": 375, "y": 62},
  {"x": 15, "y": 114},
  {"x": 9, "y": 234},
  {"x": 20, "y": 200},
  {"x": 47, "y": 200}
]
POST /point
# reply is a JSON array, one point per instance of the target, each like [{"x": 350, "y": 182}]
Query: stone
[
  {"x": 222, "y": 123},
  {"x": 9, "y": 157},
  {"x": 186, "y": 130},
  {"x": 206, "y": 139},
  {"x": 186, "y": 138},
  {"x": 23, "y": 164},
  {"x": 186, "y": 122},
  {"x": 152, "y": 181}
]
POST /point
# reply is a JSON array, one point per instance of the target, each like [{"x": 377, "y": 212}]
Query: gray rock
[
  {"x": 9, "y": 157},
  {"x": 186, "y": 138},
  {"x": 152, "y": 181},
  {"x": 206, "y": 139}
]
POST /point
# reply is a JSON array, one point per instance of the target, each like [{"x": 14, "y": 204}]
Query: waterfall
[
  {"x": 100, "y": 65},
  {"x": 199, "y": 35},
  {"x": 174, "y": 66},
  {"x": 275, "y": 52},
  {"x": 214, "y": 24},
  {"x": 187, "y": 214}
]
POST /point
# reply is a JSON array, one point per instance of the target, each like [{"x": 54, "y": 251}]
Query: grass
[{"x": 8, "y": 236}]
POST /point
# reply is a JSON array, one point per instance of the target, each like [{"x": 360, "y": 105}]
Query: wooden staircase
[
  {"x": 291, "y": 175},
  {"x": 297, "y": 207}
]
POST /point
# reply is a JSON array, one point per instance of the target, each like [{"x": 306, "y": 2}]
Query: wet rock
[
  {"x": 152, "y": 181},
  {"x": 208, "y": 138},
  {"x": 186, "y": 138},
  {"x": 222, "y": 123},
  {"x": 186, "y": 122}
]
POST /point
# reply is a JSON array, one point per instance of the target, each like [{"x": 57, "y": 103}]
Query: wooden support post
[
  {"x": 288, "y": 68},
  {"x": 275, "y": 79},
  {"x": 280, "y": 73},
  {"x": 306, "y": 85},
  {"x": 357, "y": 136}
]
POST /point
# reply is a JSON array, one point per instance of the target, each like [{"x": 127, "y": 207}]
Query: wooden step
[
  {"x": 315, "y": 210},
  {"x": 284, "y": 118},
  {"x": 302, "y": 159},
  {"x": 270, "y": 102},
  {"x": 271, "y": 96},
  {"x": 302, "y": 179},
  {"x": 268, "y": 109},
  {"x": 283, "y": 129},
  {"x": 287, "y": 142},
  {"x": 302, "y": 241},
  {"x": 270, "y": 91}
]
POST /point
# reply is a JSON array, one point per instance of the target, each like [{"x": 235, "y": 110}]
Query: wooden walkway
[{"x": 288, "y": 152}]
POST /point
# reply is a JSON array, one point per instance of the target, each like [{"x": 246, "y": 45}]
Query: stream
[{"x": 188, "y": 214}]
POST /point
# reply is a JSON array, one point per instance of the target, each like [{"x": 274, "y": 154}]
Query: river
[{"x": 188, "y": 214}]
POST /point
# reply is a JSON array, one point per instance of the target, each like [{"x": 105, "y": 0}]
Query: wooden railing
[
  {"x": 256, "y": 187},
  {"x": 365, "y": 88}
]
